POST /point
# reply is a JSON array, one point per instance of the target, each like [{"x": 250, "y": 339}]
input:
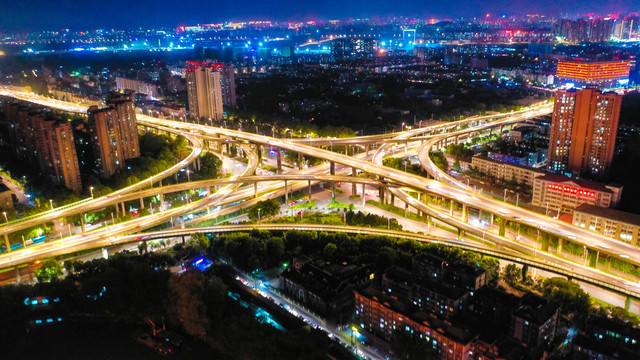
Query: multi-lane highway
[{"x": 445, "y": 189}]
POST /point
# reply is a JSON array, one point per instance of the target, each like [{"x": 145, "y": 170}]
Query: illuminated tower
[{"x": 583, "y": 131}]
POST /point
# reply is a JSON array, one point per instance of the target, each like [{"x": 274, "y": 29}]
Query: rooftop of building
[
  {"x": 536, "y": 309},
  {"x": 482, "y": 157},
  {"x": 587, "y": 184},
  {"x": 609, "y": 213},
  {"x": 327, "y": 279},
  {"x": 402, "y": 275}
]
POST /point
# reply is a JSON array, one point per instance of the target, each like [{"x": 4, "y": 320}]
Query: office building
[
  {"x": 204, "y": 91},
  {"x": 614, "y": 223},
  {"x": 114, "y": 133},
  {"x": 583, "y": 131},
  {"x": 555, "y": 192},
  {"x": 601, "y": 73}
]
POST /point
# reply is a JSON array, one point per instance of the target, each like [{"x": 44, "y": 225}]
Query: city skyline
[{"x": 69, "y": 14}]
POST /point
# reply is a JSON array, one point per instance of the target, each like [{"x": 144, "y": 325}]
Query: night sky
[{"x": 121, "y": 14}]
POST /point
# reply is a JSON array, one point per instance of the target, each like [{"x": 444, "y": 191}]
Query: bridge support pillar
[
  {"x": 105, "y": 253},
  {"x": 460, "y": 234},
  {"x": 354, "y": 189},
  {"x": 525, "y": 269},
  {"x": 491, "y": 222},
  {"x": 18, "y": 280},
  {"x": 381, "y": 190},
  {"x": 544, "y": 245},
  {"x": 259, "y": 152},
  {"x": 560, "y": 241},
  {"x": 593, "y": 258},
  {"x": 6, "y": 242},
  {"x": 627, "y": 303},
  {"x": 503, "y": 226},
  {"x": 363, "y": 197},
  {"x": 428, "y": 223},
  {"x": 300, "y": 161},
  {"x": 279, "y": 161},
  {"x": 309, "y": 183},
  {"x": 332, "y": 171},
  {"x": 124, "y": 210},
  {"x": 451, "y": 207},
  {"x": 406, "y": 209},
  {"x": 465, "y": 213},
  {"x": 286, "y": 195},
  {"x": 255, "y": 189},
  {"x": 141, "y": 203},
  {"x": 82, "y": 224},
  {"x": 183, "y": 239},
  {"x": 392, "y": 198}
]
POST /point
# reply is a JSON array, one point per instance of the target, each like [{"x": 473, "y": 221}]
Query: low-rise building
[
  {"x": 534, "y": 323},
  {"x": 565, "y": 193},
  {"x": 381, "y": 314},
  {"x": 429, "y": 296},
  {"x": 607, "y": 339},
  {"x": 610, "y": 222},
  {"x": 506, "y": 171},
  {"x": 327, "y": 288}
]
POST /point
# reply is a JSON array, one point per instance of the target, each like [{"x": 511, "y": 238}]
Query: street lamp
[
  {"x": 402, "y": 127},
  {"x": 505, "y": 195},
  {"x": 5, "y": 216},
  {"x": 91, "y": 190},
  {"x": 547, "y": 210},
  {"x": 51, "y": 202},
  {"x": 259, "y": 215},
  {"x": 188, "y": 177}
]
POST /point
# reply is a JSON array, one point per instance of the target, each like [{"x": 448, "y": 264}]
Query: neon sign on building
[{"x": 571, "y": 190}]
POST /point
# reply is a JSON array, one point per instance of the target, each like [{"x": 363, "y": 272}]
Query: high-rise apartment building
[
  {"x": 59, "y": 153},
  {"x": 127, "y": 125},
  {"x": 204, "y": 91},
  {"x": 105, "y": 140},
  {"x": 45, "y": 142},
  {"x": 583, "y": 131},
  {"x": 114, "y": 133},
  {"x": 228, "y": 83}
]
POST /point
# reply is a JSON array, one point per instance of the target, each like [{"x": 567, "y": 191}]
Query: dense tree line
[{"x": 262, "y": 249}]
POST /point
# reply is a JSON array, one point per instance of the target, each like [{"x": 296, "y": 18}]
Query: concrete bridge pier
[
  {"x": 6, "y": 242},
  {"x": 286, "y": 195},
  {"x": 279, "y": 161},
  {"x": 354, "y": 189}
]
